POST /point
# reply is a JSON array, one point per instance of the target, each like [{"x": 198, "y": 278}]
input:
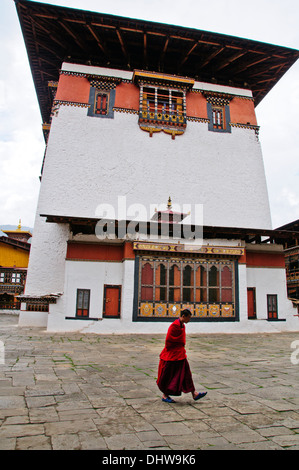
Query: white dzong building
[{"x": 153, "y": 194}]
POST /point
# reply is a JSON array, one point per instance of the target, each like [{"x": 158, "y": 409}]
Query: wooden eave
[
  {"x": 54, "y": 35},
  {"x": 162, "y": 79},
  {"x": 290, "y": 226},
  {"x": 15, "y": 243},
  {"x": 87, "y": 225}
]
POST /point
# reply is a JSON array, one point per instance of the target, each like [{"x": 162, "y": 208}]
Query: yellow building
[{"x": 14, "y": 257}]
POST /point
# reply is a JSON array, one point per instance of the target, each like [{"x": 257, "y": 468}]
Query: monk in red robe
[{"x": 174, "y": 374}]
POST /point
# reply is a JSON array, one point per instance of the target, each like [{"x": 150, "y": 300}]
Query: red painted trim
[
  {"x": 242, "y": 258},
  {"x": 95, "y": 252},
  {"x": 265, "y": 260},
  {"x": 196, "y": 105},
  {"x": 128, "y": 251},
  {"x": 127, "y": 96},
  {"x": 242, "y": 111},
  {"x": 72, "y": 88},
  {"x": 76, "y": 89}
]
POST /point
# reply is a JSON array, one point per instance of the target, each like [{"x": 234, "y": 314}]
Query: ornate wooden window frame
[
  {"x": 162, "y": 105},
  {"x": 218, "y": 103},
  {"x": 168, "y": 115},
  {"x": 148, "y": 306},
  {"x": 101, "y": 87}
]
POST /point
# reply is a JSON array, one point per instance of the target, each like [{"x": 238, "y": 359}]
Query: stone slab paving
[{"x": 74, "y": 391}]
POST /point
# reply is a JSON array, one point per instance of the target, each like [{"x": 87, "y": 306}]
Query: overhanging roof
[
  {"x": 88, "y": 225},
  {"x": 15, "y": 243},
  {"x": 290, "y": 226},
  {"x": 55, "y": 34}
]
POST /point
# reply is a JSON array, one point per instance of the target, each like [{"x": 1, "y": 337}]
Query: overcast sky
[{"x": 271, "y": 21}]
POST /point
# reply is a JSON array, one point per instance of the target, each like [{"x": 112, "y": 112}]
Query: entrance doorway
[{"x": 112, "y": 298}]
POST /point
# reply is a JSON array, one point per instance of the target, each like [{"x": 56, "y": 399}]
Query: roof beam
[
  {"x": 188, "y": 53},
  {"x": 211, "y": 56},
  {"x": 102, "y": 25},
  {"x": 41, "y": 44},
  {"x": 43, "y": 72},
  {"x": 251, "y": 64},
  {"x": 45, "y": 15},
  {"x": 47, "y": 29},
  {"x": 123, "y": 47},
  {"x": 227, "y": 62},
  {"x": 262, "y": 74},
  {"x": 52, "y": 64},
  {"x": 145, "y": 60},
  {"x": 164, "y": 51},
  {"x": 69, "y": 31},
  {"x": 95, "y": 36}
]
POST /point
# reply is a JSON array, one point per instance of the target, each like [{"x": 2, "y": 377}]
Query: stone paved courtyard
[{"x": 75, "y": 391}]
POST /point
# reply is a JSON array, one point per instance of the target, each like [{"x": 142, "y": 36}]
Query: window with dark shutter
[
  {"x": 218, "y": 118},
  {"x": 101, "y": 103},
  {"x": 83, "y": 299}
]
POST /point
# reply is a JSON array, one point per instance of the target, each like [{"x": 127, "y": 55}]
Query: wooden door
[
  {"x": 251, "y": 304},
  {"x": 112, "y": 298}
]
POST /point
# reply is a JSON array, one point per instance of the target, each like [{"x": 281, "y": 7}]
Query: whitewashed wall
[{"x": 91, "y": 161}]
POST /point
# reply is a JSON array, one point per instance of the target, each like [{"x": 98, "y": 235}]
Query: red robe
[
  {"x": 175, "y": 341},
  {"x": 174, "y": 375}
]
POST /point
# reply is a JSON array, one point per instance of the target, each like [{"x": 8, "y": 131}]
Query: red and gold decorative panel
[
  {"x": 201, "y": 310},
  {"x": 168, "y": 285},
  {"x": 146, "y": 309},
  {"x": 160, "y": 310},
  {"x": 214, "y": 310},
  {"x": 174, "y": 310},
  {"x": 227, "y": 310},
  {"x": 189, "y": 307}
]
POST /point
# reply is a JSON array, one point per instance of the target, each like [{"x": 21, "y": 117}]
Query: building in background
[
  {"x": 291, "y": 250},
  {"x": 153, "y": 194},
  {"x": 14, "y": 257}
]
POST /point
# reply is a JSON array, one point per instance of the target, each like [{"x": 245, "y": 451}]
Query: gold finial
[
  {"x": 169, "y": 203},
  {"x": 19, "y": 226}
]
